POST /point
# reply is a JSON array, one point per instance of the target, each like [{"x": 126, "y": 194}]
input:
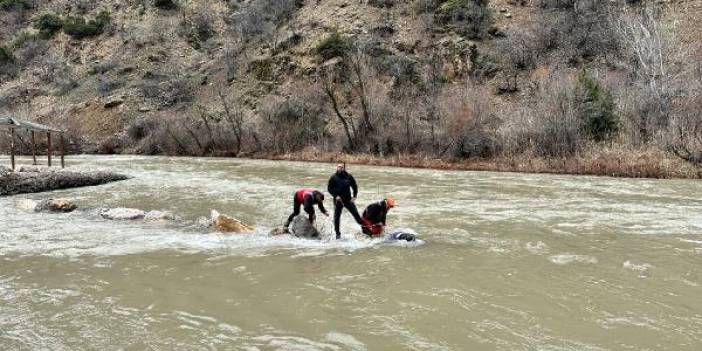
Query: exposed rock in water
[
  {"x": 301, "y": 227},
  {"x": 55, "y": 205},
  {"x": 159, "y": 216},
  {"x": 227, "y": 224},
  {"x": 35, "y": 180},
  {"x": 278, "y": 231},
  {"x": 122, "y": 214}
]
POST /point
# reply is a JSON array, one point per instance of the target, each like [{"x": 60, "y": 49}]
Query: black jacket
[
  {"x": 376, "y": 212},
  {"x": 340, "y": 184}
]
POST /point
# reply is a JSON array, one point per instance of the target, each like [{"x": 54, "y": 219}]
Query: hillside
[{"x": 532, "y": 84}]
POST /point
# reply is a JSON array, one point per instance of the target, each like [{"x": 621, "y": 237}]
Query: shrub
[
  {"x": 6, "y": 56},
  {"x": 382, "y": 3},
  {"x": 596, "y": 108},
  {"x": 262, "y": 69},
  {"x": 335, "y": 45},
  {"x": 166, "y": 4},
  {"x": 197, "y": 29},
  {"x": 48, "y": 24},
  {"x": 470, "y": 18},
  {"x": 295, "y": 122},
  {"x": 78, "y": 28},
  {"x": 25, "y": 37},
  {"x": 14, "y": 5}
]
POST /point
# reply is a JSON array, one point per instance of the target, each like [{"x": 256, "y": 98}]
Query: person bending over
[
  {"x": 306, "y": 198},
  {"x": 374, "y": 216}
]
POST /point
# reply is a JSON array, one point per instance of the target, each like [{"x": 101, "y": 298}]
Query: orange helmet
[{"x": 390, "y": 202}]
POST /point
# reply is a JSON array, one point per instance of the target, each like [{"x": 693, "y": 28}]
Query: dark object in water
[
  {"x": 406, "y": 237},
  {"x": 402, "y": 235}
]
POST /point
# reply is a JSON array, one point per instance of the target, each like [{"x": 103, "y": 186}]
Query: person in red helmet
[
  {"x": 306, "y": 198},
  {"x": 374, "y": 216}
]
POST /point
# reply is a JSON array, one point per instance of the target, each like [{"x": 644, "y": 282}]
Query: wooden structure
[{"x": 14, "y": 123}]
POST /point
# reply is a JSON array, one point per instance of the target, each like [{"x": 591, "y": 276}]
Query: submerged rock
[
  {"x": 55, "y": 205},
  {"x": 39, "y": 179},
  {"x": 302, "y": 228},
  {"x": 227, "y": 224},
  {"x": 159, "y": 216},
  {"x": 278, "y": 231},
  {"x": 122, "y": 214},
  {"x": 403, "y": 234},
  {"x": 26, "y": 204}
]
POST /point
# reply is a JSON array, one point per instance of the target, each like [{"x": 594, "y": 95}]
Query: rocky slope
[{"x": 445, "y": 78}]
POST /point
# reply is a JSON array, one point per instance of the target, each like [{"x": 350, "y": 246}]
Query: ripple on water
[{"x": 563, "y": 259}]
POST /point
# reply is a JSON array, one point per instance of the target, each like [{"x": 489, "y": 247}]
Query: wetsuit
[
  {"x": 340, "y": 185},
  {"x": 306, "y": 198},
  {"x": 374, "y": 218}
]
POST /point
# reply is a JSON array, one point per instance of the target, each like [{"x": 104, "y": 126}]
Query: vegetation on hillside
[{"x": 448, "y": 79}]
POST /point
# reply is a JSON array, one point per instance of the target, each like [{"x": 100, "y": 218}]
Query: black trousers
[
  {"x": 296, "y": 211},
  {"x": 338, "y": 208}
]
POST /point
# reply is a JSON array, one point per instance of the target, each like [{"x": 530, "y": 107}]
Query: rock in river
[
  {"x": 55, "y": 205},
  {"x": 301, "y": 227},
  {"x": 122, "y": 214},
  {"x": 227, "y": 224}
]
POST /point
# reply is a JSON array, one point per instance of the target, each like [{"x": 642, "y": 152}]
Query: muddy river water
[{"x": 508, "y": 262}]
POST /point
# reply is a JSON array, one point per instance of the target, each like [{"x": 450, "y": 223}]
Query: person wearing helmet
[
  {"x": 306, "y": 198},
  {"x": 374, "y": 216},
  {"x": 340, "y": 186}
]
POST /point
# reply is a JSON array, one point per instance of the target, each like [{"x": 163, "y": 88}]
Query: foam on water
[{"x": 85, "y": 233}]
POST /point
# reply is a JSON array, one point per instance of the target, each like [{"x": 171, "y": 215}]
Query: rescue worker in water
[
  {"x": 374, "y": 216},
  {"x": 340, "y": 185},
  {"x": 306, "y": 198}
]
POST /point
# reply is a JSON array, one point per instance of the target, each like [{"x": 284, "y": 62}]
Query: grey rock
[
  {"x": 122, "y": 214},
  {"x": 114, "y": 101},
  {"x": 159, "y": 216},
  {"x": 302, "y": 228}
]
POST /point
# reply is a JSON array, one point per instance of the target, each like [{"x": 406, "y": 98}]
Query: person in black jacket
[
  {"x": 306, "y": 198},
  {"x": 340, "y": 186},
  {"x": 374, "y": 216}
]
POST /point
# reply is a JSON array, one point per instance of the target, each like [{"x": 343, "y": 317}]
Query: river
[{"x": 508, "y": 262}]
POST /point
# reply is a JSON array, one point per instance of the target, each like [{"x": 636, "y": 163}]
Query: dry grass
[{"x": 612, "y": 162}]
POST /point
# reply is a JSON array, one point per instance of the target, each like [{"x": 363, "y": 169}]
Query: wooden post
[
  {"x": 63, "y": 164},
  {"x": 48, "y": 141},
  {"x": 34, "y": 149},
  {"x": 12, "y": 148}
]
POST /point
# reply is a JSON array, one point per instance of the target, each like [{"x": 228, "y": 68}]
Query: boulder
[
  {"x": 113, "y": 101},
  {"x": 228, "y": 224},
  {"x": 159, "y": 216},
  {"x": 302, "y": 228},
  {"x": 55, "y": 205},
  {"x": 122, "y": 214}
]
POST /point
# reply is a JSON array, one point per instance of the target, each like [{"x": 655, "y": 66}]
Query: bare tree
[
  {"x": 235, "y": 117},
  {"x": 329, "y": 84}
]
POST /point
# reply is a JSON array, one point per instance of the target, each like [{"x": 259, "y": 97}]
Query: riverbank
[
  {"x": 609, "y": 162},
  {"x": 41, "y": 179}
]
